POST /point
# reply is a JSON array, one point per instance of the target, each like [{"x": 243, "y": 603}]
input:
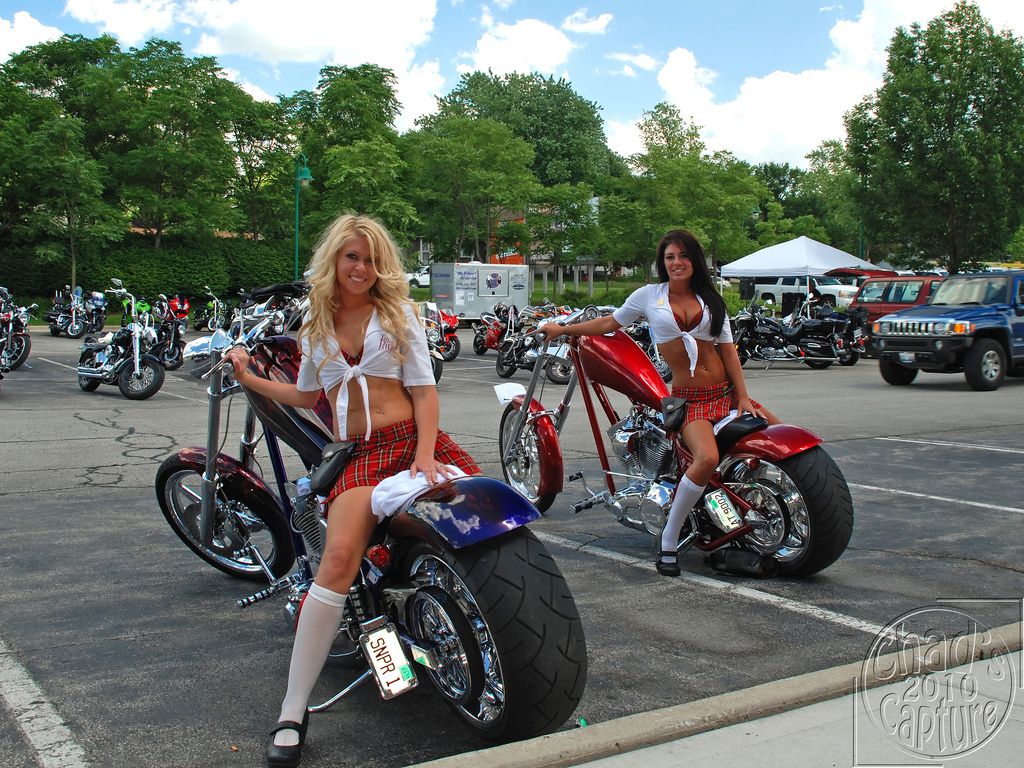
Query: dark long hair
[{"x": 701, "y": 282}]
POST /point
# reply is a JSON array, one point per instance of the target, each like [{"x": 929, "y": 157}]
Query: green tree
[
  {"x": 564, "y": 130},
  {"x": 939, "y": 148},
  {"x": 264, "y": 148},
  {"x": 70, "y": 209},
  {"x": 178, "y": 166},
  {"x": 563, "y": 224},
  {"x": 464, "y": 174},
  {"x": 826, "y": 190}
]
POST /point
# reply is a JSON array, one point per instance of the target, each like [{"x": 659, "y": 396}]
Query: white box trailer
[{"x": 474, "y": 288}]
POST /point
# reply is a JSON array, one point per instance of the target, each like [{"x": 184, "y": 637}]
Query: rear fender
[
  {"x": 241, "y": 482},
  {"x": 552, "y": 471},
  {"x": 775, "y": 442},
  {"x": 463, "y": 512}
]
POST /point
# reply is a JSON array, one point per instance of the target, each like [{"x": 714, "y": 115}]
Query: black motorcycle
[
  {"x": 455, "y": 586},
  {"x": 640, "y": 332},
  {"x": 170, "y": 335},
  {"x": 815, "y": 341},
  {"x": 15, "y": 341},
  {"x": 68, "y": 315},
  {"x": 120, "y": 357}
]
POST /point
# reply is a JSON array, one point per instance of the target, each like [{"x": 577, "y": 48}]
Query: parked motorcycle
[
  {"x": 640, "y": 332},
  {"x": 450, "y": 345},
  {"x": 170, "y": 334},
  {"x": 68, "y": 315},
  {"x": 120, "y": 358},
  {"x": 210, "y": 315},
  {"x": 776, "y": 492},
  {"x": 493, "y": 327},
  {"x": 15, "y": 341},
  {"x": 136, "y": 310},
  {"x": 814, "y": 341},
  {"x": 433, "y": 324},
  {"x": 96, "y": 308},
  {"x": 455, "y": 586},
  {"x": 517, "y": 352}
]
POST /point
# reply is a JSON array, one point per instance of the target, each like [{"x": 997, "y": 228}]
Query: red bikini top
[
  {"x": 352, "y": 360},
  {"x": 692, "y": 324}
]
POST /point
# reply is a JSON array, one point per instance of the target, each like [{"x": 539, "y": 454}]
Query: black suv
[{"x": 973, "y": 323}]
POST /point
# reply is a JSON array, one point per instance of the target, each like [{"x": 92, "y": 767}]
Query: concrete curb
[{"x": 646, "y": 729}]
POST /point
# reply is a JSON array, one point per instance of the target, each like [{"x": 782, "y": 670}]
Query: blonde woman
[{"x": 363, "y": 343}]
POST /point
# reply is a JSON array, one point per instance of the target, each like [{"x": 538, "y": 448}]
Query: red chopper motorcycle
[{"x": 776, "y": 492}]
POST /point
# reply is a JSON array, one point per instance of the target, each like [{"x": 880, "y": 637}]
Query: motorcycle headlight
[
  {"x": 433, "y": 335},
  {"x": 23, "y": 318}
]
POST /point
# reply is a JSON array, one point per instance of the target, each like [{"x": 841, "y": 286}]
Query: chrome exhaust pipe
[{"x": 89, "y": 373}]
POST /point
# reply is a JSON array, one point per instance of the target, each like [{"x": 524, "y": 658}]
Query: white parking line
[
  {"x": 785, "y": 603},
  {"x": 162, "y": 390},
  {"x": 944, "y": 499},
  {"x": 50, "y": 739},
  {"x": 951, "y": 445}
]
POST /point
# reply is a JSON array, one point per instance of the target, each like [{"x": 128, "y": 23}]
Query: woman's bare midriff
[
  {"x": 390, "y": 403},
  {"x": 709, "y": 371}
]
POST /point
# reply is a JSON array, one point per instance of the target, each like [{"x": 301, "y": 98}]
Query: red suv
[{"x": 883, "y": 295}]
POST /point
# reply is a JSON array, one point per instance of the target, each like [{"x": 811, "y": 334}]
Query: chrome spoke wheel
[{"x": 779, "y": 516}]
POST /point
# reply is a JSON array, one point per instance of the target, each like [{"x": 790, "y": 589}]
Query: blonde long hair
[{"x": 389, "y": 295}]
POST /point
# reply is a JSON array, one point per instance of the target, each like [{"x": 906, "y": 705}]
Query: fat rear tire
[
  {"x": 896, "y": 374},
  {"x": 525, "y": 619},
  {"x": 818, "y": 365},
  {"x": 985, "y": 365}
]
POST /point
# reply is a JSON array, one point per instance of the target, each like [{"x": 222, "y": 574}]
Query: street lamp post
[{"x": 302, "y": 179}]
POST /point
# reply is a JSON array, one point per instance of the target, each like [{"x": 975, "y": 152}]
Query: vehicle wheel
[
  {"x": 215, "y": 322},
  {"x": 199, "y": 325},
  {"x": 55, "y": 330},
  {"x": 179, "y": 491},
  {"x": 437, "y": 366},
  {"x": 14, "y": 356},
  {"x": 818, "y": 365},
  {"x": 803, "y": 508},
  {"x": 146, "y": 384},
  {"x": 740, "y": 351},
  {"x": 665, "y": 371},
  {"x": 896, "y": 374},
  {"x": 76, "y": 329},
  {"x": 451, "y": 350},
  {"x": 523, "y": 471},
  {"x": 86, "y": 383},
  {"x": 558, "y": 371},
  {"x": 506, "y": 364},
  {"x": 173, "y": 356},
  {"x": 985, "y": 365},
  {"x": 96, "y": 322},
  {"x": 520, "y": 622},
  {"x": 849, "y": 358},
  {"x": 829, "y": 301},
  {"x": 478, "y": 345}
]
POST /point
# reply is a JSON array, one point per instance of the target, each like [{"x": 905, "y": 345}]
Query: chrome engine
[
  {"x": 308, "y": 521},
  {"x": 648, "y": 458}
]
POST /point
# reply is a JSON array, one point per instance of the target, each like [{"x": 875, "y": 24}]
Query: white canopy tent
[{"x": 802, "y": 257}]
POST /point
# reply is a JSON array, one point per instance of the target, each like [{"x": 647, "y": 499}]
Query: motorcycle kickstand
[{"x": 343, "y": 692}]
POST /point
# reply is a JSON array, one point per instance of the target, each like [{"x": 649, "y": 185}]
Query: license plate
[
  {"x": 721, "y": 509},
  {"x": 908, "y": 357},
  {"x": 857, "y": 333},
  {"x": 392, "y": 670}
]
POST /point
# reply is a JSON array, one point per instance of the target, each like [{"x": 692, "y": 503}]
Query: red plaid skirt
[
  {"x": 391, "y": 450},
  {"x": 709, "y": 403}
]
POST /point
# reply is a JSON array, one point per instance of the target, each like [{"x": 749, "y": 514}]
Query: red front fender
[
  {"x": 246, "y": 486},
  {"x": 775, "y": 442},
  {"x": 549, "y": 450}
]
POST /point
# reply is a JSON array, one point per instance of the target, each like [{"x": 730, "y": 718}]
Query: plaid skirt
[
  {"x": 709, "y": 403},
  {"x": 391, "y": 450}
]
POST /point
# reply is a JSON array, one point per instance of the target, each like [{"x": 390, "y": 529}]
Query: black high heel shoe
[
  {"x": 666, "y": 569},
  {"x": 287, "y": 757}
]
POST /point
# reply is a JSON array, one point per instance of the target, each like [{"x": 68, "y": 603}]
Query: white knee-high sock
[
  {"x": 318, "y": 627},
  {"x": 687, "y": 494}
]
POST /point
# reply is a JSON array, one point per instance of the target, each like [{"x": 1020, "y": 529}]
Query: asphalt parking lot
[{"x": 139, "y": 657}]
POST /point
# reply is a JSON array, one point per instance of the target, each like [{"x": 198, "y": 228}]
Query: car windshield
[{"x": 972, "y": 290}]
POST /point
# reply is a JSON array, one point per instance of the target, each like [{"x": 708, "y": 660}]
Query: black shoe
[
  {"x": 287, "y": 757},
  {"x": 666, "y": 569}
]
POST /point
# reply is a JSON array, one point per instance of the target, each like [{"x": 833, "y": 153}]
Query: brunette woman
[
  {"x": 690, "y": 325},
  {"x": 362, "y": 342}
]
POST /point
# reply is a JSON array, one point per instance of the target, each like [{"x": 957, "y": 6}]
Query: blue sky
[{"x": 766, "y": 81}]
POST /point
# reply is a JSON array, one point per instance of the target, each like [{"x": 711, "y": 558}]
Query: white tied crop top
[
  {"x": 377, "y": 360},
  {"x": 652, "y": 301}
]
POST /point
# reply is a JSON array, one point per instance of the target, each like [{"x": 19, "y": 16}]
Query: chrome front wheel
[{"x": 523, "y": 470}]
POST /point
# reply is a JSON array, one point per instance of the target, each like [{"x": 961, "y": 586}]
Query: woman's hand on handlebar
[
  {"x": 550, "y": 331},
  {"x": 239, "y": 362}
]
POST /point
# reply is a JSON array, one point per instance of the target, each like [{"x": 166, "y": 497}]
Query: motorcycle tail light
[{"x": 380, "y": 556}]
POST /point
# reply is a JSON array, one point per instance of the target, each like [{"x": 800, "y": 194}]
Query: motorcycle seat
[
  {"x": 737, "y": 428},
  {"x": 100, "y": 343}
]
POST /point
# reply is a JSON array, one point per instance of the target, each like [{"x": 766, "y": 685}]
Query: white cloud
[
  {"x": 578, "y": 22},
  {"x": 626, "y": 70},
  {"x": 23, "y": 31},
  {"x": 130, "y": 21},
  {"x": 623, "y": 138},
  {"x": 418, "y": 89},
  {"x": 527, "y": 45},
  {"x": 641, "y": 60},
  {"x": 783, "y": 116},
  {"x": 255, "y": 91}
]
